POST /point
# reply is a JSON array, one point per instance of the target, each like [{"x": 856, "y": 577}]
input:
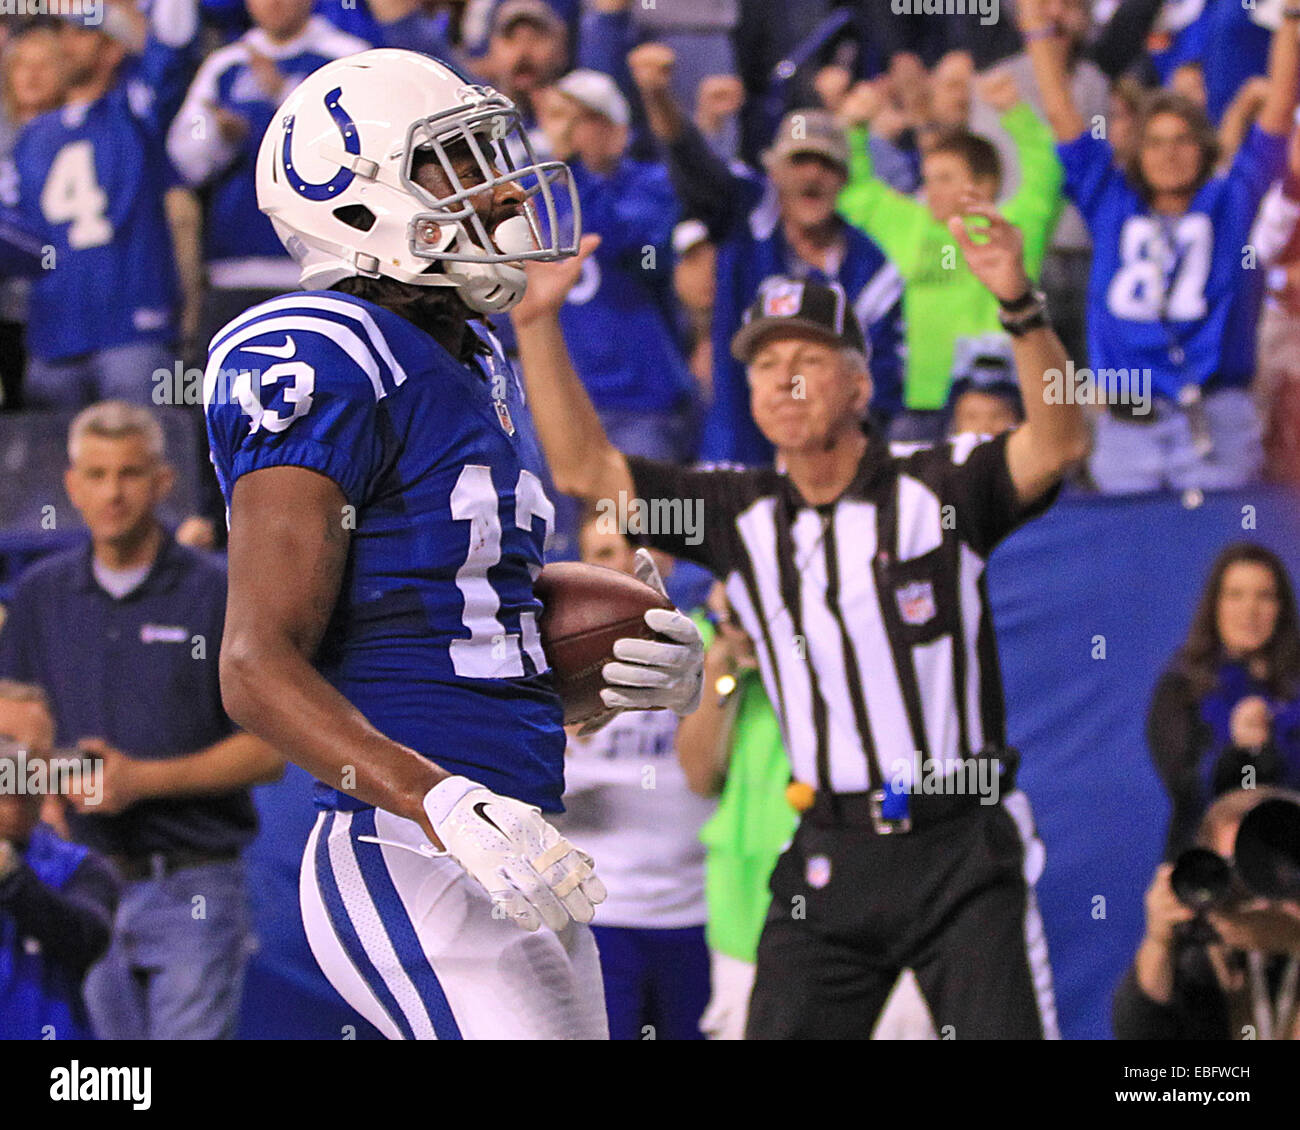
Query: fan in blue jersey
[
  {"x": 387, "y": 523},
  {"x": 89, "y": 180},
  {"x": 1228, "y": 41},
  {"x": 1178, "y": 37},
  {"x": 213, "y": 141},
  {"x": 1174, "y": 297},
  {"x": 1239, "y": 36},
  {"x": 619, "y": 321}
]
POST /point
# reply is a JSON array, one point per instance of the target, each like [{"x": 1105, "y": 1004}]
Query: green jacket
[
  {"x": 942, "y": 300},
  {"x": 751, "y": 826}
]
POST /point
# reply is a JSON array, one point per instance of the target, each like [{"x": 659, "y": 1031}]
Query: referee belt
[
  {"x": 867, "y": 810},
  {"x": 863, "y": 811}
]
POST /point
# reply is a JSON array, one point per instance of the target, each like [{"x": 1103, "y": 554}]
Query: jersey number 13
[{"x": 491, "y": 652}]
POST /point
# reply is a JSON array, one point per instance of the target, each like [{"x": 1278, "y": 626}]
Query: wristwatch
[
  {"x": 725, "y": 686},
  {"x": 1019, "y": 316}
]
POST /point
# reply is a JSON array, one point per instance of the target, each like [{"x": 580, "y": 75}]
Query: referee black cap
[{"x": 820, "y": 310}]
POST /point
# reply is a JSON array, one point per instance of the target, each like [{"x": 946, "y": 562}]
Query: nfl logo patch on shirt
[
  {"x": 782, "y": 300},
  {"x": 817, "y": 871},
  {"x": 503, "y": 414},
  {"x": 145, "y": 319},
  {"x": 916, "y": 603}
]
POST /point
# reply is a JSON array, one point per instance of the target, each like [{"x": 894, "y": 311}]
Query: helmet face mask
[
  {"x": 337, "y": 174},
  {"x": 489, "y": 134}
]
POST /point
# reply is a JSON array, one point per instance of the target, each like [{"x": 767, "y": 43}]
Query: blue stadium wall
[{"x": 1127, "y": 571}]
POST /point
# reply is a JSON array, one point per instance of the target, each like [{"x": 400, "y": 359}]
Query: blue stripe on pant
[
  {"x": 389, "y": 911},
  {"x": 370, "y": 858}
]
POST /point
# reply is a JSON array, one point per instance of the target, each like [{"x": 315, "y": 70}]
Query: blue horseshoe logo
[{"x": 351, "y": 144}]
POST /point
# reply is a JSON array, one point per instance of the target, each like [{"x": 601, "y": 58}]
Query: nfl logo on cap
[{"x": 782, "y": 299}]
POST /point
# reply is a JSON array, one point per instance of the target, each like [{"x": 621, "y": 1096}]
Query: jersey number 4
[
  {"x": 72, "y": 196},
  {"x": 491, "y": 652}
]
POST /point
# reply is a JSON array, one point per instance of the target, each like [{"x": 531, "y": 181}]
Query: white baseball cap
[{"x": 598, "y": 93}]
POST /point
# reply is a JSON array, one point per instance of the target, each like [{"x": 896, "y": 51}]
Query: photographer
[
  {"x": 1242, "y": 985},
  {"x": 56, "y": 898}
]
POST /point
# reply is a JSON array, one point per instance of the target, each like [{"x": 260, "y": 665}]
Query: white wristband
[{"x": 444, "y": 796}]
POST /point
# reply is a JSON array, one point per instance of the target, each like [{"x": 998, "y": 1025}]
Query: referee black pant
[{"x": 852, "y": 908}]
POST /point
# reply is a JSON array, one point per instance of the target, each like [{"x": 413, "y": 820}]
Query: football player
[{"x": 387, "y": 522}]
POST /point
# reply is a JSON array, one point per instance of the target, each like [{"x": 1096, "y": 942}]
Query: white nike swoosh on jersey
[{"x": 286, "y": 350}]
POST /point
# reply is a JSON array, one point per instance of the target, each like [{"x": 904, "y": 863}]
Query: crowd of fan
[{"x": 716, "y": 145}]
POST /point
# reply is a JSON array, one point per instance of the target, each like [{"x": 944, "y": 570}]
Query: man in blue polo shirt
[{"x": 124, "y": 636}]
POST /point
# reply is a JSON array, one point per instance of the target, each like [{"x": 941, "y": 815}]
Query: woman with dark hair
[{"x": 1226, "y": 713}]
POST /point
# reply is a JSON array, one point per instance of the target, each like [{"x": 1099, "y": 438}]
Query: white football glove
[
  {"x": 649, "y": 674},
  {"x": 532, "y": 872}
]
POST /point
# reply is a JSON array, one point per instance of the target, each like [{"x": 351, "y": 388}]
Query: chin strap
[{"x": 489, "y": 288}]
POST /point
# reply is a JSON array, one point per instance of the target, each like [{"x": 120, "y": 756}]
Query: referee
[{"x": 860, "y": 577}]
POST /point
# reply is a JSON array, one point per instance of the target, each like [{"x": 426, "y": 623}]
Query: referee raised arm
[{"x": 860, "y": 577}]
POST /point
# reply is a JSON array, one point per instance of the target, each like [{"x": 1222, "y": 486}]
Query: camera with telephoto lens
[
  {"x": 1267, "y": 853},
  {"x": 1203, "y": 880},
  {"x": 1266, "y": 862}
]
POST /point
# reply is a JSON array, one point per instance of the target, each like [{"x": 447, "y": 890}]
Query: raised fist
[
  {"x": 719, "y": 97},
  {"x": 651, "y": 65},
  {"x": 832, "y": 84},
  {"x": 999, "y": 90},
  {"x": 1250, "y": 723},
  {"x": 861, "y": 105}
]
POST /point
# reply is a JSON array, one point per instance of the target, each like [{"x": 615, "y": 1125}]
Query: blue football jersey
[
  {"x": 434, "y": 637},
  {"x": 620, "y": 319},
  {"x": 1172, "y": 293},
  {"x": 234, "y": 228},
  {"x": 1180, "y": 36},
  {"x": 89, "y": 181},
  {"x": 1241, "y": 35}
]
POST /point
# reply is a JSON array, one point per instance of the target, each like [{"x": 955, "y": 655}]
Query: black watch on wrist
[
  {"x": 1020, "y": 316},
  {"x": 1019, "y": 327},
  {"x": 1024, "y": 302}
]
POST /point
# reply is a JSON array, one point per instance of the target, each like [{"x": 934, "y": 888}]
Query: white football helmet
[{"x": 334, "y": 173}]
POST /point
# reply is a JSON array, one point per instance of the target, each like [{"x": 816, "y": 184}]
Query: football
[{"x": 585, "y": 608}]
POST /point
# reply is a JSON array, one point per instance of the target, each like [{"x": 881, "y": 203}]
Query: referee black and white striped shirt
[{"x": 869, "y": 613}]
